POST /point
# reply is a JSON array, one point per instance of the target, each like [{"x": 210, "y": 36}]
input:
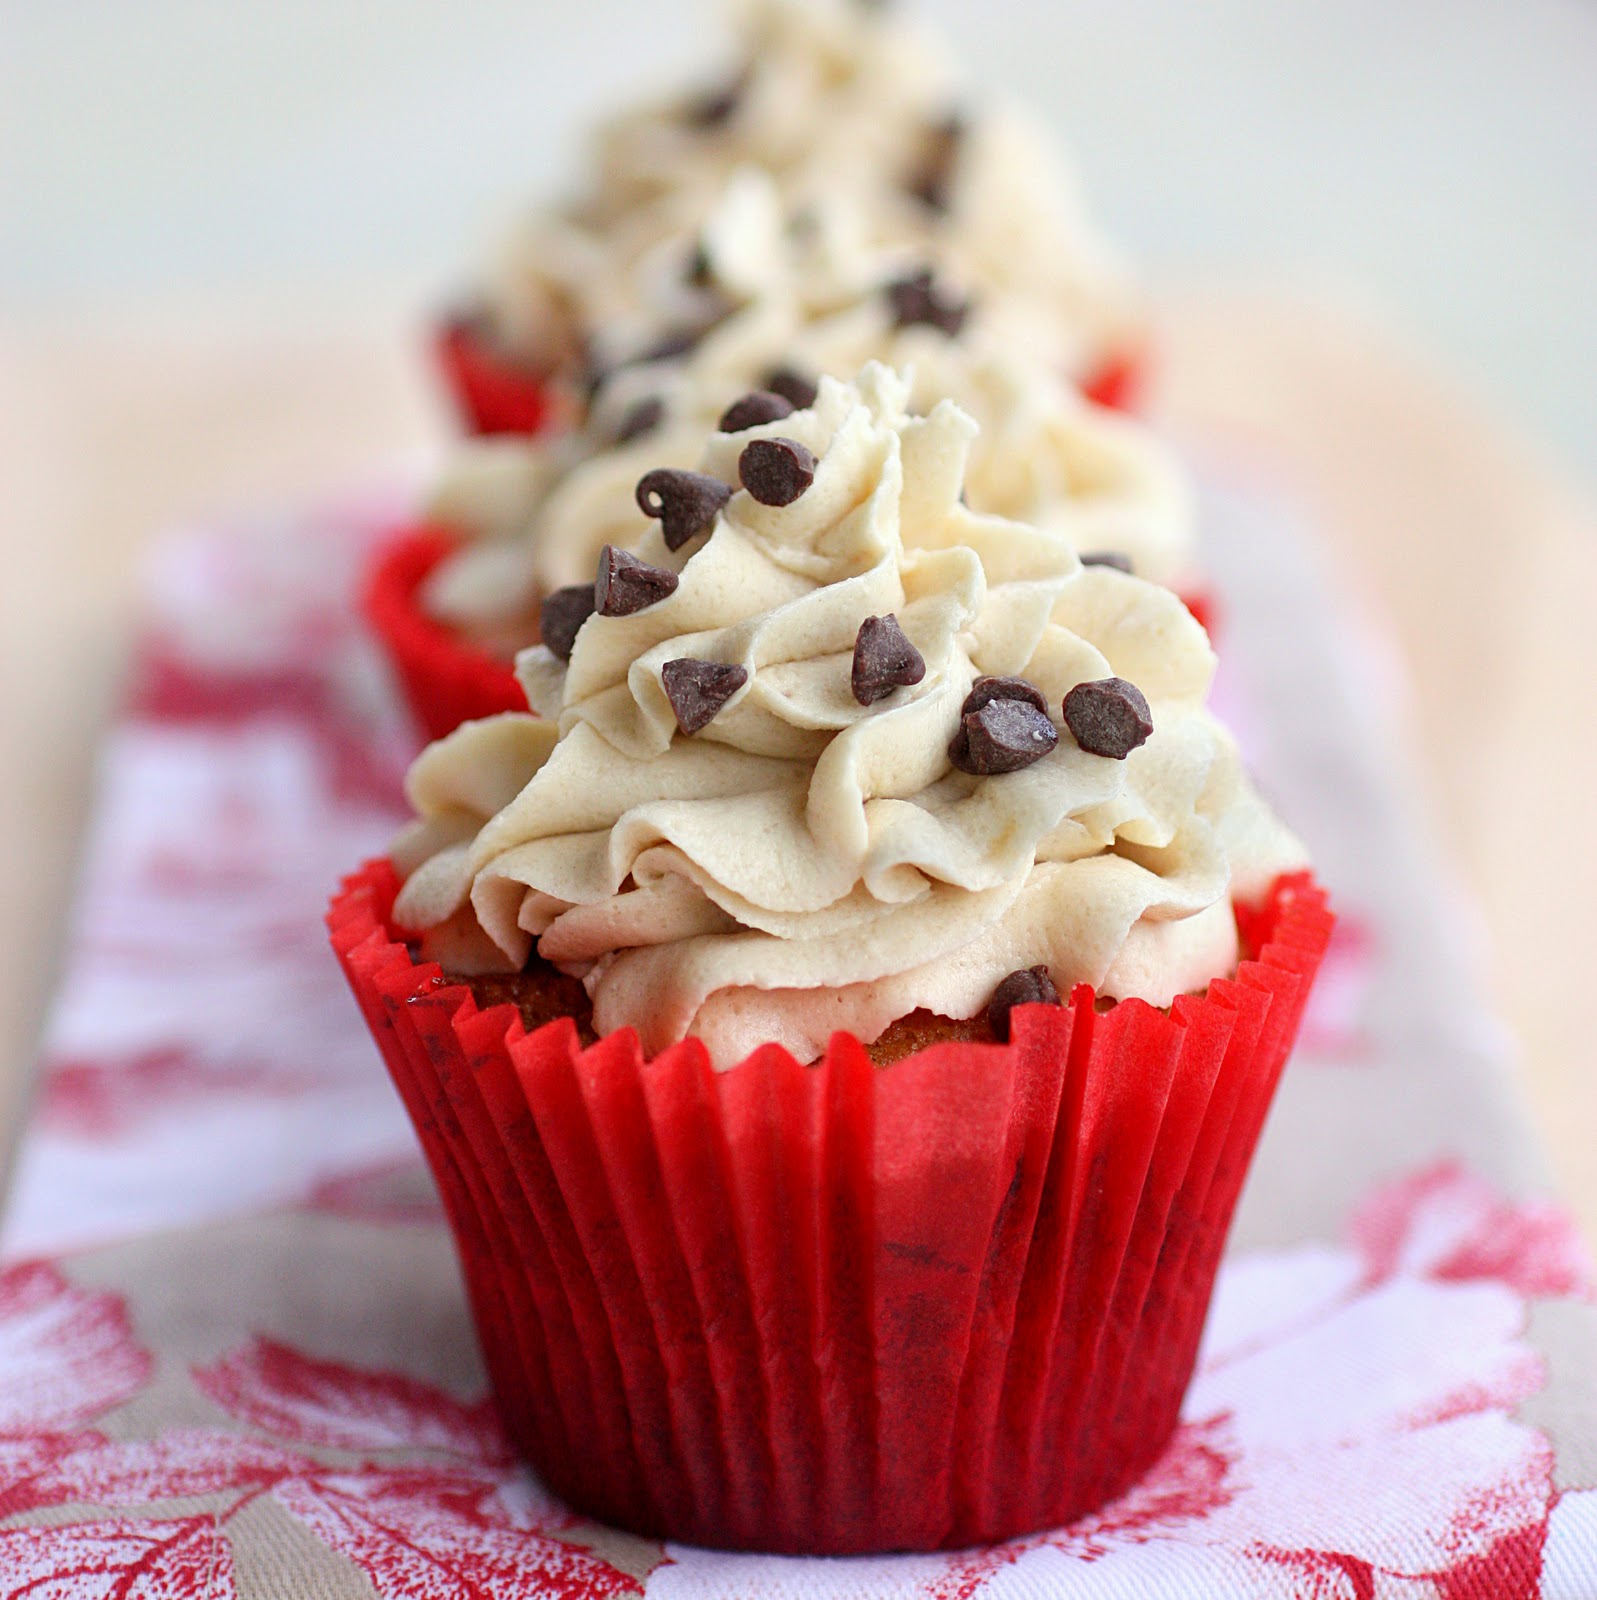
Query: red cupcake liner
[
  {"x": 839, "y": 1308},
  {"x": 446, "y": 679},
  {"x": 1203, "y": 606},
  {"x": 1120, "y": 380},
  {"x": 491, "y": 394}
]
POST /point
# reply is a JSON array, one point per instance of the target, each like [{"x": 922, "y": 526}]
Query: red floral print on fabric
[
  {"x": 1448, "y": 1225},
  {"x": 124, "y": 1559},
  {"x": 463, "y": 1523},
  {"x": 66, "y": 1354},
  {"x": 320, "y": 1403},
  {"x": 455, "y": 1520},
  {"x": 105, "y": 1097},
  {"x": 420, "y": 1536}
]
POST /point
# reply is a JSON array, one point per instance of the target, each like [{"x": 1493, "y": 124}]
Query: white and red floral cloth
[{"x": 234, "y": 1357}]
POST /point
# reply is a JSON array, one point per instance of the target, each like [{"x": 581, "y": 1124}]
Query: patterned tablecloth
[{"x": 234, "y": 1354}]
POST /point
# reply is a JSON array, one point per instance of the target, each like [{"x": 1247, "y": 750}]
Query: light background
[{"x": 1433, "y": 160}]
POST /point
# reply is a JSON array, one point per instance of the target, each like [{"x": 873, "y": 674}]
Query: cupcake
[
  {"x": 856, "y": 119},
  {"x": 840, "y": 1021},
  {"x": 513, "y": 520}
]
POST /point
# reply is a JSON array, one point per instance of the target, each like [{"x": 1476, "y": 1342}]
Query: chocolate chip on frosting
[
  {"x": 641, "y": 417},
  {"x": 680, "y": 340},
  {"x": 757, "y": 407},
  {"x": 562, "y": 615},
  {"x": 1109, "y": 717},
  {"x": 1002, "y": 736},
  {"x": 626, "y": 585},
  {"x": 713, "y": 107},
  {"x": 793, "y": 386},
  {"x": 933, "y": 179},
  {"x": 776, "y": 471},
  {"x": 685, "y": 503},
  {"x": 917, "y": 299},
  {"x": 884, "y": 660},
  {"x": 698, "y": 689},
  {"x": 1107, "y": 558},
  {"x": 985, "y": 690},
  {"x": 700, "y": 271},
  {"x": 593, "y": 372},
  {"x": 1029, "y": 986},
  {"x": 597, "y": 370}
]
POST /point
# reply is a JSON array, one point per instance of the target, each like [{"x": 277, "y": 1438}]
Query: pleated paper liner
[
  {"x": 491, "y": 393},
  {"x": 839, "y": 1308},
  {"x": 1203, "y": 605},
  {"x": 446, "y": 679},
  {"x": 1120, "y": 380}
]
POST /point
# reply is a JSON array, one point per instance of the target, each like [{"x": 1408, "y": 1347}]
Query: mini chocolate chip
[
  {"x": 792, "y": 385},
  {"x": 776, "y": 471},
  {"x": 593, "y": 374},
  {"x": 698, "y": 689},
  {"x": 679, "y": 341},
  {"x": 715, "y": 106},
  {"x": 641, "y": 417},
  {"x": 884, "y": 660},
  {"x": 985, "y": 690},
  {"x": 686, "y": 503},
  {"x": 1109, "y": 717},
  {"x": 933, "y": 179},
  {"x": 1107, "y": 558},
  {"x": 758, "y": 406},
  {"x": 562, "y": 615},
  {"x": 671, "y": 344},
  {"x": 917, "y": 299},
  {"x": 626, "y": 584},
  {"x": 1003, "y": 736},
  {"x": 698, "y": 272},
  {"x": 1029, "y": 986}
]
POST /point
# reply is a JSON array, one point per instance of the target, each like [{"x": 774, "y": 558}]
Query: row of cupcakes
[
  {"x": 877, "y": 163},
  {"x": 839, "y": 967},
  {"x": 847, "y": 201}
]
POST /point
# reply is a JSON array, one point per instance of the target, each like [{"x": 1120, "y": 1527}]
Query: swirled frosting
[
  {"x": 849, "y": 110},
  {"x": 805, "y": 862},
  {"x": 536, "y": 513}
]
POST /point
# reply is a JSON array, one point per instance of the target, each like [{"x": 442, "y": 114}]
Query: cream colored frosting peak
[
  {"x": 806, "y": 862},
  {"x": 848, "y": 112}
]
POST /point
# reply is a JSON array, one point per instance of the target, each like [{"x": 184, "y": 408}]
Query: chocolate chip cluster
[
  {"x": 774, "y": 471},
  {"x": 1004, "y": 723},
  {"x": 1004, "y": 726}
]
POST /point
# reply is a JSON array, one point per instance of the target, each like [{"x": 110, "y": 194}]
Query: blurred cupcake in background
[
  {"x": 840, "y": 1021},
  {"x": 514, "y": 520},
  {"x": 874, "y": 153}
]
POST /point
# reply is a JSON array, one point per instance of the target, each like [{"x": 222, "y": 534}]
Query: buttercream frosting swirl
[{"x": 805, "y": 862}]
